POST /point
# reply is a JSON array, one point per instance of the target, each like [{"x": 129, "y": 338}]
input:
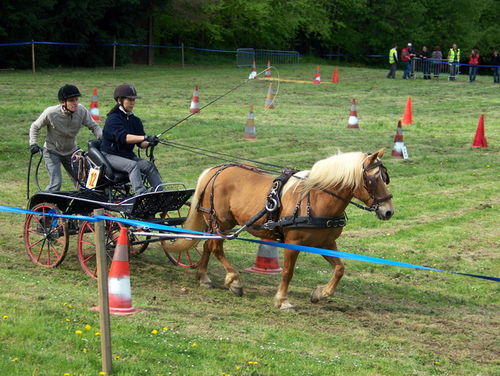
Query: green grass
[{"x": 382, "y": 321}]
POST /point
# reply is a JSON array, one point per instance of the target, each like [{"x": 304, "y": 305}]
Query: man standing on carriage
[
  {"x": 122, "y": 131},
  {"x": 63, "y": 122}
]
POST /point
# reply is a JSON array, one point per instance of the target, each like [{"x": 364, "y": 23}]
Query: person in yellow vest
[
  {"x": 393, "y": 61},
  {"x": 454, "y": 61}
]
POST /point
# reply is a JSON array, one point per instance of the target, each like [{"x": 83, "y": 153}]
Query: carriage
[{"x": 47, "y": 238}]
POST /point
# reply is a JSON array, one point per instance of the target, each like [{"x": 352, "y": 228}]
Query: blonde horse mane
[{"x": 342, "y": 170}]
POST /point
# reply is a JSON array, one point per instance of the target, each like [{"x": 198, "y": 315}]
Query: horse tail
[{"x": 194, "y": 221}]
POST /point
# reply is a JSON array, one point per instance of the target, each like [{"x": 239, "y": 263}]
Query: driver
[
  {"x": 63, "y": 122},
  {"x": 122, "y": 131}
]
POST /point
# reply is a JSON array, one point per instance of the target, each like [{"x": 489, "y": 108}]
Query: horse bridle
[{"x": 369, "y": 185}]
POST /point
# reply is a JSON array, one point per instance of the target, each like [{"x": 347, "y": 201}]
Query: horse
[{"x": 310, "y": 212}]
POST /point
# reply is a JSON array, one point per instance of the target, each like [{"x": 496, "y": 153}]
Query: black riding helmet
[
  {"x": 125, "y": 91},
  {"x": 68, "y": 91}
]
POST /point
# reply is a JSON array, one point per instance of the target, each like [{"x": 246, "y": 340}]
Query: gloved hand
[
  {"x": 34, "y": 149},
  {"x": 153, "y": 140}
]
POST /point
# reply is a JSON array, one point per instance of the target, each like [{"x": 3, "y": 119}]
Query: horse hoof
[
  {"x": 238, "y": 291},
  {"x": 316, "y": 295},
  {"x": 287, "y": 307},
  {"x": 207, "y": 284}
]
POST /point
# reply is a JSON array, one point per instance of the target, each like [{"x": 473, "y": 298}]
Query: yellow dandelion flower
[
  {"x": 66, "y": 374},
  {"x": 5, "y": 317},
  {"x": 84, "y": 350},
  {"x": 88, "y": 327},
  {"x": 117, "y": 357},
  {"x": 166, "y": 328},
  {"x": 436, "y": 363},
  {"x": 67, "y": 320},
  {"x": 252, "y": 362},
  {"x": 226, "y": 374},
  {"x": 154, "y": 331},
  {"x": 14, "y": 360},
  {"x": 78, "y": 332},
  {"x": 194, "y": 345},
  {"x": 97, "y": 333},
  {"x": 102, "y": 373},
  {"x": 237, "y": 368}
]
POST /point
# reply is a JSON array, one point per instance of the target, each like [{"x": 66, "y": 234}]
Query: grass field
[{"x": 382, "y": 321}]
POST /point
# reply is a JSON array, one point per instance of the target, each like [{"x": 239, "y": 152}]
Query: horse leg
[
  {"x": 232, "y": 280},
  {"x": 321, "y": 292},
  {"x": 281, "y": 299},
  {"x": 202, "y": 272}
]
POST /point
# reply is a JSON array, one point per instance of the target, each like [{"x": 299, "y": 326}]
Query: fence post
[
  {"x": 182, "y": 54},
  {"x": 33, "y": 55},
  {"x": 114, "y": 55},
  {"x": 102, "y": 282}
]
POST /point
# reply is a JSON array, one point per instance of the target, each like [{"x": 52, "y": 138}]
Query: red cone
[
  {"x": 269, "y": 103},
  {"x": 267, "y": 261},
  {"x": 335, "y": 77},
  {"x": 399, "y": 149},
  {"x": 479, "y": 138},
  {"x": 94, "y": 107},
  {"x": 250, "y": 126},
  {"x": 353, "y": 117},
  {"x": 195, "y": 101},
  {"x": 317, "y": 76},
  {"x": 267, "y": 73},
  {"x": 253, "y": 72},
  {"x": 407, "y": 116}
]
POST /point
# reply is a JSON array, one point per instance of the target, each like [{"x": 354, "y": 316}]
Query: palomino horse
[{"x": 233, "y": 194}]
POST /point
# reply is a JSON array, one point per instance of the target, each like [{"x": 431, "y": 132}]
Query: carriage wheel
[
  {"x": 188, "y": 259},
  {"x": 139, "y": 243},
  {"x": 86, "y": 249},
  {"x": 46, "y": 238}
]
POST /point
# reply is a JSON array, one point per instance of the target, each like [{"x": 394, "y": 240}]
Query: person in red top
[
  {"x": 474, "y": 62},
  {"x": 406, "y": 59}
]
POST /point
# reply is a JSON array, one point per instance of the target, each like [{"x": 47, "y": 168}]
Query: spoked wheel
[
  {"x": 46, "y": 238},
  {"x": 86, "y": 248},
  {"x": 188, "y": 259}
]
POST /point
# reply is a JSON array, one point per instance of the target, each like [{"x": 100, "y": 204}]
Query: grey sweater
[{"x": 62, "y": 128}]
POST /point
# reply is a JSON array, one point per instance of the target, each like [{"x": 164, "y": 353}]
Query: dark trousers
[
  {"x": 392, "y": 70},
  {"x": 496, "y": 75}
]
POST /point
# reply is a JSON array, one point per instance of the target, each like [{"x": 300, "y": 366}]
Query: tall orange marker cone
[
  {"x": 250, "y": 126},
  {"x": 399, "y": 149},
  {"x": 353, "y": 117},
  {"x": 195, "y": 101},
  {"x": 253, "y": 72},
  {"x": 335, "y": 76},
  {"x": 479, "y": 138},
  {"x": 269, "y": 103},
  {"x": 267, "y": 73},
  {"x": 120, "y": 292},
  {"x": 407, "y": 116},
  {"x": 267, "y": 261},
  {"x": 94, "y": 107},
  {"x": 317, "y": 76}
]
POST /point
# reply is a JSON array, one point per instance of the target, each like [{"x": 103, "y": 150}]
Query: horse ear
[{"x": 380, "y": 153}]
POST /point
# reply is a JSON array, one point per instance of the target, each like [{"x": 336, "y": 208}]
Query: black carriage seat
[{"x": 96, "y": 156}]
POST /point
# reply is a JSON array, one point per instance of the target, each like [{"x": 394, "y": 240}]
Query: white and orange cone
[
  {"x": 195, "y": 101},
  {"x": 267, "y": 261},
  {"x": 267, "y": 73},
  {"x": 317, "y": 76},
  {"x": 253, "y": 72},
  {"x": 399, "y": 149},
  {"x": 94, "y": 107},
  {"x": 269, "y": 103},
  {"x": 119, "y": 290},
  {"x": 250, "y": 133},
  {"x": 353, "y": 121}
]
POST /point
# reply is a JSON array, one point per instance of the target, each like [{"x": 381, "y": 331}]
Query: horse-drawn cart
[{"x": 47, "y": 238}]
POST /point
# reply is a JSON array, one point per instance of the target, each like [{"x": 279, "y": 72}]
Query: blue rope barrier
[{"x": 299, "y": 248}]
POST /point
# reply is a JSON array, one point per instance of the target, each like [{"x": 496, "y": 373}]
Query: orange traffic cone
[
  {"x": 269, "y": 103},
  {"x": 353, "y": 117},
  {"x": 267, "y": 260},
  {"x": 407, "y": 116},
  {"x": 317, "y": 76},
  {"x": 335, "y": 76},
  {"x": 479, "y": 139},
  {"x": 399, "y": 149},
  {"x": 267, "y": 74},
  {"x": 120, "y": 293},
  {"x": 250, "y": 126},
  {"x": 253, "y": 72},
  {"x": 195, "y": 101},
  {"x": 94, "y": 107}
]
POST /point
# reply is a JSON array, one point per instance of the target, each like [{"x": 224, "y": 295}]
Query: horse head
[{"x": 374, "y": 192}]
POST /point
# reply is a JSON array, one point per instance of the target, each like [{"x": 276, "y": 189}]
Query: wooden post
[
  {"x": 114, "y": 55},
  {"x": 33, "y": 56},
  {"x": 102, "y": 281},
  {"x": 182, "y": 54}
]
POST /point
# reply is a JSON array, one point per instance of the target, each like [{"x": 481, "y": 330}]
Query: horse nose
[{"x": 388, "y": 214}]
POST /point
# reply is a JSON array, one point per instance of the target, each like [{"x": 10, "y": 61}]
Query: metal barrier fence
[
  {"x": 434, "y": 68},
  {"x": 246, "y": 56}
]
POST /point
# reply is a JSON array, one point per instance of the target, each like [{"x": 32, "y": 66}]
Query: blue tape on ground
[{"x": 294, "y": 247}]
